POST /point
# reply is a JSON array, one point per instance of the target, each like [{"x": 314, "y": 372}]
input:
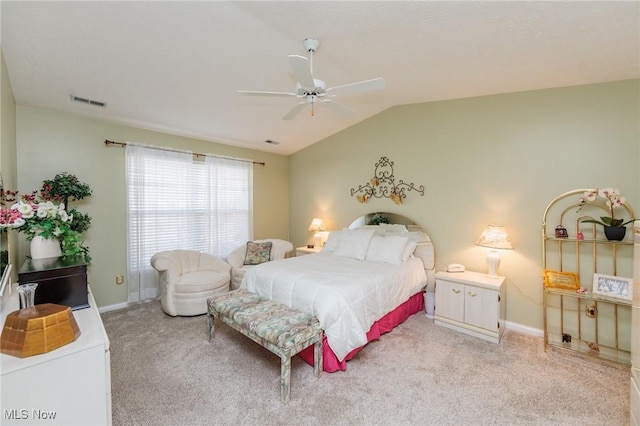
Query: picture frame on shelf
[{"x": 613, "y": 286}]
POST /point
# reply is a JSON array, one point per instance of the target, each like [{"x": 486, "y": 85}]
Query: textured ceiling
[{"x": 176, "y": 66}]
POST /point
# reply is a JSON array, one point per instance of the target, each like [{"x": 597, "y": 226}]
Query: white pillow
[
  {"x": 394, "y": 228},
  {"x": 418, "y": 236},
  {"x": 387, "y": 249},
  {"x": 354, "y": 243},
  {"x": 378, "y": 230},
  {"x": 333, "y": 240},
  {"x": 408, "y": 249}
]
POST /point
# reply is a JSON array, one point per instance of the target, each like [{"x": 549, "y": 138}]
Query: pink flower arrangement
[
  {"x": 9, "y": 217},
  {"x": 34, "y": 214}
]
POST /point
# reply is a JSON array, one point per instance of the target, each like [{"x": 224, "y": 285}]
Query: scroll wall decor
[{"x": 383, "y": 184}]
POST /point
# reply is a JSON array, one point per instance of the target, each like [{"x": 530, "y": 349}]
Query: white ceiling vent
[{"x": 88, "y": 101}]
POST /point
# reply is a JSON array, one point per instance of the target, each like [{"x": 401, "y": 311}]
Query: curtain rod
[{"x": 107, "y": 142}]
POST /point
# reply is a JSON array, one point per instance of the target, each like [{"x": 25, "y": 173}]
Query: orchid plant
[{"x": 612, "y": 199}]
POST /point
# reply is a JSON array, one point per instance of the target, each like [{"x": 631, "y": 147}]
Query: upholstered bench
[{"x": 282, "y": 330}]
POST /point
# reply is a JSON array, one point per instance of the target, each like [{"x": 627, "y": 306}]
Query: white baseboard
[
  {"x": 113, "y": 307},
  {"x": 521, "y": 328}
]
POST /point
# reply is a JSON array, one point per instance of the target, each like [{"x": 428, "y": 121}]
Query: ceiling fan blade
[
  {"x": 295, "y": 111},
  {"x": 258, "y": 93},
  {"x": 338, "y": 108},
  {"x": 302, "y": 70},
  {"x": 359, "y": 87}
]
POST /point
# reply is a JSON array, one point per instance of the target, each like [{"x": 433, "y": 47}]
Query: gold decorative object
[
  {"x": 38, "y": 329},
  {"x": 559, "y": 279},
  {"x": 383, "y": 184},
  {"x": 593, "y": 346}
]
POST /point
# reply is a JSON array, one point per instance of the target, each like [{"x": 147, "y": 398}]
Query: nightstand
[
  {"x": 301, "y": 251},
  {"x": 472, "y": 303}
]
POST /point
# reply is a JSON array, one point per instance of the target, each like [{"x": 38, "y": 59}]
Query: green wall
[
  {"x": 482, "y": 160},
  {"x": 49, "y": 142},
  {"x": 488, "y": 159},
  {"x": 8, "y": 127},
  {"x": 8, "y": 168}
]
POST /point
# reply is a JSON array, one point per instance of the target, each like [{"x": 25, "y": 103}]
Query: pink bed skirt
[{"x": 385, "y": 324}]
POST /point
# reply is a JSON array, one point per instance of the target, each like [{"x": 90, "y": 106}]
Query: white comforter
[{"x": 346, "y": 295}]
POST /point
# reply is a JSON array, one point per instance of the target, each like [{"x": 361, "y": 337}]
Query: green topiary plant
[
  {"x": 67, "y": 187},
  {"x": 379, "y": 218}
]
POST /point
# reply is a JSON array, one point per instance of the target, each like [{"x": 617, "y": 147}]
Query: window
[{"x": 177, "y": 202}]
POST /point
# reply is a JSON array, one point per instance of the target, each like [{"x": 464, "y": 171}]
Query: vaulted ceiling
[{"x": 176, "y": 67}]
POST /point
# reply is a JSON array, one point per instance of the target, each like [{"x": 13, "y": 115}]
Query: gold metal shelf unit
[{"x": 596, "y": 325}]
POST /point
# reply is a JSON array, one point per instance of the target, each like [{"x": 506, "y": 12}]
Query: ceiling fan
[{"x": 311, "y": 90}]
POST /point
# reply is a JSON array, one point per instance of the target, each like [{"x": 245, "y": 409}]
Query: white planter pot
[{"x": 42, "y": 248}]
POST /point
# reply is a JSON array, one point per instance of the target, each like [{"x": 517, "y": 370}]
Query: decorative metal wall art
[{"x": 383, "y": 184}]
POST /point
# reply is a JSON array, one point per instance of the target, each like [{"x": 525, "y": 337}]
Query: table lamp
[
  {"x": 316, "y": 226},
  {"x": 495, "y": 238}
]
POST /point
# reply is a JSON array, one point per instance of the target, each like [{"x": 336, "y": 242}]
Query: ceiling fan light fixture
[
  {"x": 311, "y": 44},
  {"x": 310, "y": 90},
  {"x": 321, "y": 86}
]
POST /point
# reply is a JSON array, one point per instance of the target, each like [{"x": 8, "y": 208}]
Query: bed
[{"x": 366, "y": 280}]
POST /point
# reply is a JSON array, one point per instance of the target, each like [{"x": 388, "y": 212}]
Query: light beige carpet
[{"x": 165, "y": 372}]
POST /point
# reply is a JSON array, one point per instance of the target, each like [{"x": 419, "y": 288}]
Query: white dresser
[{"x": 70, "y": 385}]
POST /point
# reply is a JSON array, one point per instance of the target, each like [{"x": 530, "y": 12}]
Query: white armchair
[
  {"x": 188, "y": 278},
  {"x": 236, "y": 258}
]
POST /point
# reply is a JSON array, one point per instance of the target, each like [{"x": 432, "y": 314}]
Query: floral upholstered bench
[{"x": 282, "y": 330}]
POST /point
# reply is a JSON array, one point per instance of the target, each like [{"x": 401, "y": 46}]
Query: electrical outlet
[{"x": 119, "y": 279}]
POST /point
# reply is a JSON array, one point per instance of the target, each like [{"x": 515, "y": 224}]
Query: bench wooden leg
[
  {"x": 210, "y": 322},
  {"x": 285, "y": 378},
  {"x": 317, "y": 357}
]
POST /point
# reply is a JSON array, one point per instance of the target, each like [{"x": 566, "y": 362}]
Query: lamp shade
[
  {"x": 317, "y": 224},
  {"x": 494, "y": 237}
]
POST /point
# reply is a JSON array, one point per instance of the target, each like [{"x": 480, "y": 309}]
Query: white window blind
[{"x": 176, "y": 202}]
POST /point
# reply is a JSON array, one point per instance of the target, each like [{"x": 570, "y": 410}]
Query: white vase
[{"x": 42, "y": 248}]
